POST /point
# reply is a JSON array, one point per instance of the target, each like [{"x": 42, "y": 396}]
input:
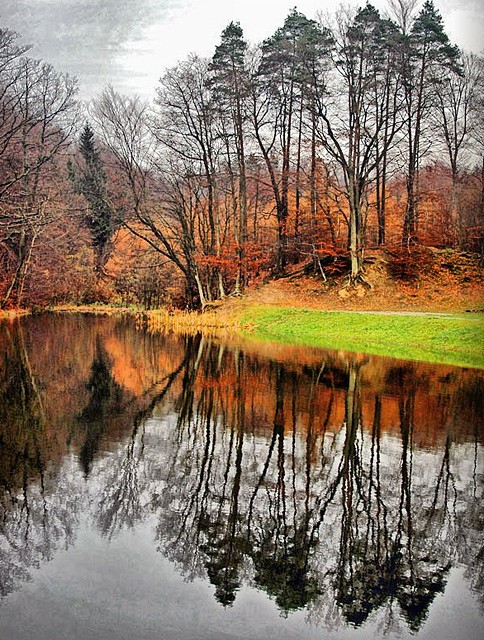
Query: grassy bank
[{"x": 450, "y": 339}]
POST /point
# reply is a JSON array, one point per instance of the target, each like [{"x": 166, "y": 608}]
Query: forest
[{"x": 333, "y": 136}]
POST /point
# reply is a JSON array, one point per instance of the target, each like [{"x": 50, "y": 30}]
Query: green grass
[{"x": 450, "y": 339}]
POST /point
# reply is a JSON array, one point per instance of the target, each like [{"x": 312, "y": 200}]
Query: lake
[{"x": 184, "y": 487}]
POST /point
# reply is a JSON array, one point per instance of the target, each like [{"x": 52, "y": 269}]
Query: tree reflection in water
[
  {"x": 305, "y": 511},
  {"x": 342, "y": 485},
  {"x": 34, "y": 518},
  {"x": 105, "y": 396}
]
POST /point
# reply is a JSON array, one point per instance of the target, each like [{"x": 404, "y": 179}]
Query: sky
[{"x": 129, "y": 43}]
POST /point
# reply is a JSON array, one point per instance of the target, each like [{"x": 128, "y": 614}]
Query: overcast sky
[{"x": 128, "y": 43}]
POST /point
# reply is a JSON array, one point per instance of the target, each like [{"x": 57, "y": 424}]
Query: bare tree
[
  {"x": 402, "y": 12},
  {"x": 457, "y": 106},
  {"x": 122, "y": 123},
  {"x": 38, "y": 114},
  {"x": 186, "y": 125},
  {"x": 357, "y": 114}
]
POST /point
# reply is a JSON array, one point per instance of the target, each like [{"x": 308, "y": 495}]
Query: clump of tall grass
[
  {"x": 95, "y": 309},
  {"x": 209, "y": 322}
]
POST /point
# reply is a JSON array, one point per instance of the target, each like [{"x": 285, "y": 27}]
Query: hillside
[{"x": 446, "y": 281}]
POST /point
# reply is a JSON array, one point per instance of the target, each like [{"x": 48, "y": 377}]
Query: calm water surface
[{"x": 161, "y": 487}]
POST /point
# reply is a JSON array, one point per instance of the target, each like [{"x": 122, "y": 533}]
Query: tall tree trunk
[
  {"x": 355, "y": 231},
  {"x": 297, "y": 208},
  {"x": 24, "y": 254}
]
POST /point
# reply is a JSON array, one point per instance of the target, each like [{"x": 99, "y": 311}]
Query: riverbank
[
  {"x": 438, "y": 318},
  {"x": 455, "y": 339}
]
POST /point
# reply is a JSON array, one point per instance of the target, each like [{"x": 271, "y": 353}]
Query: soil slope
[{"x": 449, "y": 281}]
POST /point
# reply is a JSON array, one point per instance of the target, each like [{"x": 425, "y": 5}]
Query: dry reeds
[
  {"x": 208, "y": 322},
  {"x": 94, "y": 309}
]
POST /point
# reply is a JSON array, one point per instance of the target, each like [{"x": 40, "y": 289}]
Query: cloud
[{"x": 86, "y": 37}]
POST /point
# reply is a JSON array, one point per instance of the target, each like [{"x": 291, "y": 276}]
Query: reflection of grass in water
[{"x": 449, "y": 339}]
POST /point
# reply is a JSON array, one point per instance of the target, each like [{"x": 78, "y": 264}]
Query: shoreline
[{"x": 435, "y": 337}]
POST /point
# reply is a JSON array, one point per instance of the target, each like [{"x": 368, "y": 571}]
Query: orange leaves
[
  {"x": 409, "y": 263},
  {"x": 250, "y": 257}
]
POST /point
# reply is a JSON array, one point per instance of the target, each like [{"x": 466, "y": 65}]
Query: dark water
[{"x": 156, "y": 487}]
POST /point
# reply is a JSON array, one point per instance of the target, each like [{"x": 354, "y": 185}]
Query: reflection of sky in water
[
  {"x": 151, "y": 599},
  {"x": 123, "y": 587},
  {"x": 58, "y": 604},
  {"x": 142, "y": 524}
]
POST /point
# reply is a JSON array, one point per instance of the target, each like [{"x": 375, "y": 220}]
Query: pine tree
[
  {"x": 428, "y": 55},
  {"x": 229, "y": 82},
  {"x": 357, "y": 117},
  {"x": 289, "y": 67},
  {"x": 90, "y": 180}
]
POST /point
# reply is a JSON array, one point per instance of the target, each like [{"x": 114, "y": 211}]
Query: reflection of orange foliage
[
  {"x": 131, "y": 372},
  {"x": 314, "y": 394}
]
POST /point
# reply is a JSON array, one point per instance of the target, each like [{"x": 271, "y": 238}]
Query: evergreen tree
[
  {"x": 428, "y": 56},
  {"x": 287, "y": 72},
  {"x": 230, "y": 85},
  {"x": 90, "y": 180},
  {"x": 357, "y": 117}
]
